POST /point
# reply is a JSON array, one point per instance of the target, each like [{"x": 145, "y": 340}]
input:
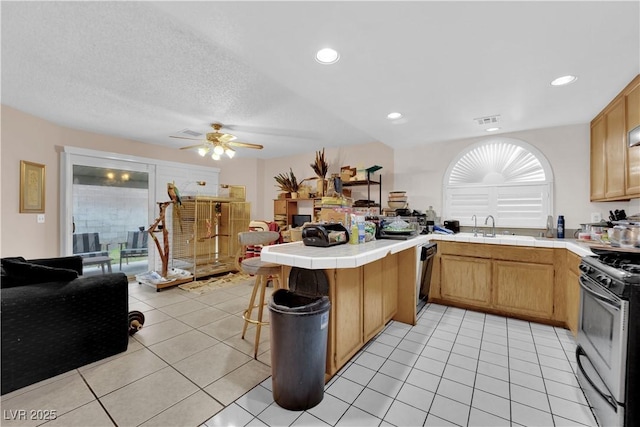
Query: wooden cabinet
[
  {"x": 285, "y": 209},
  {"x": 633, "y": 153},
  {"x": 515, "y": 281},
  {"x": 615, "y": 167},
  {"x": 372, "y": 295},
  {"x": 465, "y": 279},
  {"x": 598, "y": 163},
  {"x": 523, "y": 288},
  {"x": 390, "y": 269},
  {"x": 345, "y": 294}
]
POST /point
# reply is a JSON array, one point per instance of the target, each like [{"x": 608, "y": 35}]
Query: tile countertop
[{"x": 296, "y": 254}]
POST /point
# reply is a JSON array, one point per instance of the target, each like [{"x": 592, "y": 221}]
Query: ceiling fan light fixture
[
  {"x": 215, "y": 156},
  {"x": 218, "y": 149},
  {"x": 230, "y": 152},
  {"x": 327, "y": 56},
  {"x": 203, "y": 151}
]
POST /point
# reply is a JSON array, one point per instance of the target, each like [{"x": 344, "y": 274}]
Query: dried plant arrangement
[
  {"x": 320, "y": 166},
  {"x": 287, "y": 182}
]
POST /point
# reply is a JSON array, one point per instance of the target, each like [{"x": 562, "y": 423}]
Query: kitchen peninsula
[
  {"x": 369, "y": 284},
  {"x": 373, "y": 283}
]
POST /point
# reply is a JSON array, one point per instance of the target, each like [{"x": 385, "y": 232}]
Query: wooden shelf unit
[{"x": 205, "y": 234}]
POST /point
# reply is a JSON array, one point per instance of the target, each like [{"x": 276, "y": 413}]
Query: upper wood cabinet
[
  {"x": 615, "y": 167},
  {"x": 633, "y": 153}
]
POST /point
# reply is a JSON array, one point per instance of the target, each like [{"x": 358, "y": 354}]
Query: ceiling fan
[{"x": 218, "y": 143}]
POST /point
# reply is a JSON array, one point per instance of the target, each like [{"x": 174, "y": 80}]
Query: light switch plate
[
  {"x": 40, "y": 218},
  {"x": 596, "y": 217}
]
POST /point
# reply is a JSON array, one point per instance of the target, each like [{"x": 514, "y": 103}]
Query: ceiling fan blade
[
  {"x": 245, "y": 145},
  {"x": 193, "y": 146},
  {"x": 226, "y": 137},
  {"x": 184, "y": 137}
]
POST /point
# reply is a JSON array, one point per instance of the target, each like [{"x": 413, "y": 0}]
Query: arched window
[{"x": 503, "y": 177}]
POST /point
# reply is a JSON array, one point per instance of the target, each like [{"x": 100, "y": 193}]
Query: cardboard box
[{"x": 340, "y": 215}]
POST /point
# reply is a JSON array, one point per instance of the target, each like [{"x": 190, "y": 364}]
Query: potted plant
[
  {"x": 320, "y": 167},
  {"x": 288, "y": 183}
]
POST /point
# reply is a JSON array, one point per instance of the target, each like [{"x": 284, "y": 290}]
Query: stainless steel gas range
[{"x": 608, "y": 336}]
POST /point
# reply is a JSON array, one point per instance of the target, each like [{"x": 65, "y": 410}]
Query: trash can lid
[
  {"x": 307, "y": 282},
  {"x": 285, "y": 301}
]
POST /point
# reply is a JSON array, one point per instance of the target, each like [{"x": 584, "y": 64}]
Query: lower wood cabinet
[
  {"x": 573, "y": 292},
  {"x": 390, "y": 268},
  {"x": 465, "y": 279},
  {"x": 372, "y": 295},
  {"x": 347, "y": 312},
  {"x": 523, "y": 288},
  {"x": 516, "y": 281}
]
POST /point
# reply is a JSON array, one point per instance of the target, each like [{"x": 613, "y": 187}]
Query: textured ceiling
[{"x": 147, "y": 70}]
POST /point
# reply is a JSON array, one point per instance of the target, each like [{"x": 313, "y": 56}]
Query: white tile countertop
[{"x": 296, "y": 254}]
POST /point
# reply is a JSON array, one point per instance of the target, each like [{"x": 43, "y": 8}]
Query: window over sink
[{"x": 504, "y": 177}]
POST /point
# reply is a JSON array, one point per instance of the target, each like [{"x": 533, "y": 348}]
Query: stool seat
[{"x": 256, "y": 266}]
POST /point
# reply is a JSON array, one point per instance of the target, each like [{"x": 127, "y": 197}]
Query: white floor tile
[
  {"x": 415, "y": 396},
  {"x": 369, "y": 360},
  {"x": 468, "y": 363},
  {"x": 385, "y": 384},
  {"x": 527, "y": 380},
  {"x": 491, "y": 403},
  {"x": 529, "y": 397},
  {"x": 345, "y": 389},
  {"x": 571, "y": 411},
  {"x": 403, "y": 357},
  {"x": 395, "y": 370},
  {"x": 492, "y": 385},
  {"x": 524, "y": 366},
  {"x": 410, "y": 346},
  {"x": 359, "y": 374},
  {"x": 433, "y": 421},
  {"x": 256, "y": 400},
  {"x": 438, "y": 349},
  {"x": 493, "y": 371},
  {"x": 330, "y": 410},
  {"x": 275, "y": 415},
  {"x": 424, "y": 380},
  {"x": 401, "y": 414},
  {"x": 460, "y": 375},
  {"x": 528, "y": 416},
  {"x": 450, "y": 410},
  {"x": 355, "y": 417},
  {"x": 305, "y": 420},
  {"x": 232, "y": 415},
  {"x": 373, "y": 402},
  {"x": 432, "y": 366},
  {"x": 478, "y": 418},
  {"x": 455, "y": 391},
  {"x": 379, "y": 349}
]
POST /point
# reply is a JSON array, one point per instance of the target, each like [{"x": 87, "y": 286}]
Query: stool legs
[{"x": 260, "y": 284}]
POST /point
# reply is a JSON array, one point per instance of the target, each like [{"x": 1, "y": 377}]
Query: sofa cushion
[{"x": 17, "y": 272}]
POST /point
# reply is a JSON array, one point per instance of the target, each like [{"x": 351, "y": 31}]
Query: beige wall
[
  {"x": 420, "y": 171},
  {"x": 25, "y": 137}
]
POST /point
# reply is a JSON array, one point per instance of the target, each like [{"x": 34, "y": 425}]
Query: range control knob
[
  {"x": 585, "y": 268},
  {"x": 606, "y": 281}
]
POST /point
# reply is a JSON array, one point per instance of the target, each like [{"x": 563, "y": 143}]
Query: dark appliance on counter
[
  {"x": 452, "y": 225},
  {"x": 426, "y": 253},
  {"x": 324, "y": 235},
  {"x": 609, "y": 335}
]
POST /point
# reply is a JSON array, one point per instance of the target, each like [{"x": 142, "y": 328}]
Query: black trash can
[{"x": 299, "y": 326}]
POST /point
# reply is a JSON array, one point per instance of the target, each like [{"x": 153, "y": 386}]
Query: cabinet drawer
[
  {"x": 474, "y": 250},
  {"x": 523, "y": 254}
]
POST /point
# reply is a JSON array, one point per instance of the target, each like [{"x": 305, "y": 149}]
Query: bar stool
[{"x": 263, "y": 271}]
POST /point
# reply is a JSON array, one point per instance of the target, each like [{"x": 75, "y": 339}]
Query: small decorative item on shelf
[
  {"x": 320, "y": 167},
  {"x": 288, "y": 183}
]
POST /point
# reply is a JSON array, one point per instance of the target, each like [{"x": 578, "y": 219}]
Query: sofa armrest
[{"x": 70, "y": 262}]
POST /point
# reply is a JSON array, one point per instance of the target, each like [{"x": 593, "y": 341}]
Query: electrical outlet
[
  {"x": 40, "y": 218},
  {"x": 596, "y": 217}
]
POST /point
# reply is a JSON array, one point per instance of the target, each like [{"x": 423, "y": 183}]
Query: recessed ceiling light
[
  {"x": 393, "y": 116},
  {"x": 492, "y": 129},
  {"x": 564, "y": 80},
  {"x": 327, "y": 56}
]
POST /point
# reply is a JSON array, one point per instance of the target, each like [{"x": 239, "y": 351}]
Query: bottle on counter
[{"x": 560, "y": 226}]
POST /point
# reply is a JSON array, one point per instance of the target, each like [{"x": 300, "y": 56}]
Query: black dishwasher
[{"x": 426, "y": 253}]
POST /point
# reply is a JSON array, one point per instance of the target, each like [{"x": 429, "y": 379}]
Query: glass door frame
[{"x": 71, "y": 156}]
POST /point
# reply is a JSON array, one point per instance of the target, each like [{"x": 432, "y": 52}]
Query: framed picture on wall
[{"x": 32, "y": 187}]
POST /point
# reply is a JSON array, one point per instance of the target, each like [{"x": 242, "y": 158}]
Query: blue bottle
[{"x": 560, "y": 226}]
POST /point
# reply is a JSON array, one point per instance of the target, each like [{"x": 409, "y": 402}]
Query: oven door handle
[
  {"x": 610, "y": 302},
  {"x": 610, "y": 400}
]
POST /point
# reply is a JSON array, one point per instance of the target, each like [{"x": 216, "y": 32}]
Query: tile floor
[{"x": 189, "y": 367}]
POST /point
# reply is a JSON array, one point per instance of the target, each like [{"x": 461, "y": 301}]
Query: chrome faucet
[
  {"x": 493, "y": 226},
  {"x": 475, "y": 226}
]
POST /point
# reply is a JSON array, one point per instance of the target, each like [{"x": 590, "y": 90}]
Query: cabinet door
[
  {"x": 389, "y": 286},
  {"x": 573, "y": 301},
  {"x": 633, "y": 153},
  {"x": 347, "y": 311},
  {"x": 523, "y": 288},
  {"x": 598, "y": 168},
  {"x": 373, "y": 318},
  {"x": 615, "y": 150},
  {"x": 465, "y": 279}
]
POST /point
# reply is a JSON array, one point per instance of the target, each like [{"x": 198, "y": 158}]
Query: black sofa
[{"x": 54, "y": 320}]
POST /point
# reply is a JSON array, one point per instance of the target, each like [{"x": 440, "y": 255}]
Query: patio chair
[
  {"x": 87, "y": 245},
  {"x": 135, "y": 246}
]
